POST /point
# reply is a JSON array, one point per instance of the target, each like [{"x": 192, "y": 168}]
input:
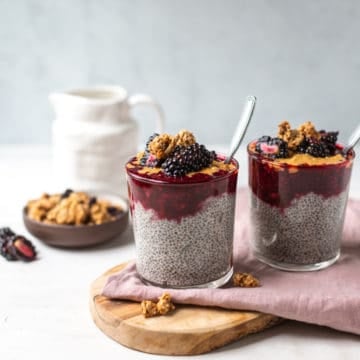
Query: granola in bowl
[
  {"x": 72, "y": 208},
  {"x": 76, "y": 218}
]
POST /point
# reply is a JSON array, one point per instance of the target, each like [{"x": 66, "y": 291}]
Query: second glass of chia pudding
[
  {"x": 182, "y": 203},
  {"x": 299, "y": 184}
]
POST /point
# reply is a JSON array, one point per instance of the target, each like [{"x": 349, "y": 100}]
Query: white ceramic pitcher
[{"x": 93, "y": 136}]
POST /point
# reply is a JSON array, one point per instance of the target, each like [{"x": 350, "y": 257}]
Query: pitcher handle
[{"x": 143, "y": 99}]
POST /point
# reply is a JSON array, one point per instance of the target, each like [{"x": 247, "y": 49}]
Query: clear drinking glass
[
  {"x": 183, "y": 227},
  {"x": 297, "y": 212}
]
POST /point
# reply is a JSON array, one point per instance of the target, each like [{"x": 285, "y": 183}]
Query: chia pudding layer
[
  {"x": 183, "y": 226},
  {"x": 280, "y": 237},
  {"x": 298, "y": 211},
  {"x": 196, "y": 250}
]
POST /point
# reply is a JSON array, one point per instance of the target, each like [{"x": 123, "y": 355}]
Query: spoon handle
[
  {"x": 354, "y": 138},
  {"x": 242, "y": 126}
]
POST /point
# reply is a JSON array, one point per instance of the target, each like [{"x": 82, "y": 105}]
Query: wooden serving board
[{"x": 189, "y": 330}]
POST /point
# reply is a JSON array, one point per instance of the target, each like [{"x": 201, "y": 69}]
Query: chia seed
[
  {"x": 301, "y": 236},
  {"x": 191, "y": 252}
]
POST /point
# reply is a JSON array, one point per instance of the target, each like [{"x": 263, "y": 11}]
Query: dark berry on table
[
  {"x": 15, "y": 247},
  {"x": 185, "y": 159},
  {"x": 5, "y": 253},
  {"x": 92, "y": 201},
  {"x": 5, "y": 233},
  {"x": 21, "y": 248}
]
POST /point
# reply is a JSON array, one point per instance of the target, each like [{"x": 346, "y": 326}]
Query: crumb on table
[
  {"x": 151, "y": 308},
  {"x": 245, "y": 280}
]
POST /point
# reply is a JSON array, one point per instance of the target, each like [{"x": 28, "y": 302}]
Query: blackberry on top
[
  {"x": 176, "y": 155},
  {"x": 303, "y": 140}
]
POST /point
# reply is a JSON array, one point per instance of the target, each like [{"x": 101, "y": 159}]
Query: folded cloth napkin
[{"x": 330, "y": 297}]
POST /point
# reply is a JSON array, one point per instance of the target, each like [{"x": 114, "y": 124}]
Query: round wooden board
[{"x": 189, "y": 330}]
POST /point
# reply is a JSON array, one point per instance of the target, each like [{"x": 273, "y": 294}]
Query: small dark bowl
[{"x": 71, "y": 236}]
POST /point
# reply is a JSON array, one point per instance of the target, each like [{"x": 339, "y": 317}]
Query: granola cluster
[
  {"x": 161, "y": 146},
  {"x": 245, "y": 280},
  {"x": 304, "y": 144},
  {"x": 72, "y": 208},
  {"x": 162, "y": 307},
  {"x": 294, "y": 137},
  {"x": 174, "y": 155}
]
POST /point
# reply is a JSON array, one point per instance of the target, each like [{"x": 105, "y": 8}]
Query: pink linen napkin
[{"x": 329, "y": 297}]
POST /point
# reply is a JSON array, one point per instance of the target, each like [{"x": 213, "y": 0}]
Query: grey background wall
[{"x": 199, "y": 58}]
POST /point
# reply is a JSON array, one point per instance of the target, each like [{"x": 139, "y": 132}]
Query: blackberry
[
  {"x": 4, "y": 251},
  {"x": 302, "y": 147},
  {"x": 5, "y": 234},
  {"x": 264, "y": 139},
  {"x": 258, "y": 147},
  {"x": 331, "y": 149},
  {"x": 147, "y": 159},
  {"x": 144, "y": 158},
  {"x": 185, "y": 159},
  {"x": 317, "y": 149},
  {"x": 272, "y": 148},
  {"x": 328, "y": 140},
  {"x": 151, "y": 138},
  {"x": 15, "y": 247},
  {"x": 329, "y": 137},
  {"x": 150, "y": 160},
  {"x": 283, "y": 151},
  {"x": 20, "y": 248}
]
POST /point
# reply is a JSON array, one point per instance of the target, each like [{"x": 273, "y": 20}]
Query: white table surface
[{"x": 44, "y": 312}]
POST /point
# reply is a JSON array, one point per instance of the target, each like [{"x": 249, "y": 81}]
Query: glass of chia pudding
[
  {"x": 299, "y": 184},
  {"x": 182, "y": 203}
]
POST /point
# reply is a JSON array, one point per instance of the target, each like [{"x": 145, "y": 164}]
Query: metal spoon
[
  {"x": 241, "y": 127},
  {"x": 353, "y": 140}
]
